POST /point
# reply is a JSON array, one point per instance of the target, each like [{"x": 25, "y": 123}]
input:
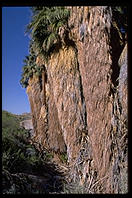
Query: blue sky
[{"x": 14, "y": 49}]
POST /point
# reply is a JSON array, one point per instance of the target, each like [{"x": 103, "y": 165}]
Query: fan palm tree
[
  {"x": 44, "y": 27},
  {"x": 29, "y": 69}
]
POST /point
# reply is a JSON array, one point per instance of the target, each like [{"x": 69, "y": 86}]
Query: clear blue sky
[{"x": 14, "y": 49}]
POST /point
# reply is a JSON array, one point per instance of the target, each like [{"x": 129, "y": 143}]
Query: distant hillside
[
  {"x": 25, "y": 116},
  {"x": 18, "y": 156},
  {"x": 25, "y": 170},
  {"x": 13, "y": 140},
  {"x": 10, "y": 120},
  {"x": 14, "y": 121}
]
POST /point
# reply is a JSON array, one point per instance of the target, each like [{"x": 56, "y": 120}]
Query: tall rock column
[
  {"x": 65, "y": 82},
  {"x": 38, "y": 110},
  {"x": 81, "y": 97},
  {"x": 91, "y": 31},
  {"x": 47, "y": 129}
]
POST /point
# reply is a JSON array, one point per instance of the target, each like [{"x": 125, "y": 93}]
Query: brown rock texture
[
  {"x": 66, "y": 85},
  {"x": 95, "y": 67},
  {"x": 75, "y": 110},
  {"x": 93, "y": 29},
  {"x": 120, "y": 127},
  {"x": 123, "y": 62},
  {"x": 43, "y": 135},
  {"x": 38, "y": 109}
]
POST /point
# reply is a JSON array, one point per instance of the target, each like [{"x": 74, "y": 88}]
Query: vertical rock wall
[
  {"x": 64, "y": 114},
  {"x": 94, "y": 58},
  {"x": 66, "y": 88},
  {"x": 78, "y": 115},
  {"x": 119, "y": 146},
  {"x": 99, "y": 50},
  {"x": 38, "y": 110}
]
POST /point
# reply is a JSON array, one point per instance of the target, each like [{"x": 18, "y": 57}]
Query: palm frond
[{"x": 43, "y": 28}]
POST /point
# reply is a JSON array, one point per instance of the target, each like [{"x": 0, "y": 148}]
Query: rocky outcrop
[
  {"x": 123, "y": 63},
  {"x": 120, "y": 128},
  {"x": 99, "y": 71},
  {"x": 27, "y": 124},
  {"x": 75, "y": 105},
  {"x": 67, "y": 92},
  {"x": 95, "y": 67}
]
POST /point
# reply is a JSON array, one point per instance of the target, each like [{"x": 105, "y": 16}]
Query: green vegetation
[
  {"x": 18, "y": 155},
  {"x": 64, "y": 157},
  {"x": 44, "y": 27},
  {"x": 30, "y": 68},
  {"x": 44, "y": 30},
  {"x": 24, "y": 116}
]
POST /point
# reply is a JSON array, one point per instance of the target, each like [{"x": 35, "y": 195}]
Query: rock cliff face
[{"x": 79, "y": 108}]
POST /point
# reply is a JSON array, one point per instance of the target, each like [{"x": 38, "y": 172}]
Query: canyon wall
[{"x": 78, "y": 108}]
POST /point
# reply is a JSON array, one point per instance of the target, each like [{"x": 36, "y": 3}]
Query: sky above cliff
[{"x": 14, "y": 49}]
